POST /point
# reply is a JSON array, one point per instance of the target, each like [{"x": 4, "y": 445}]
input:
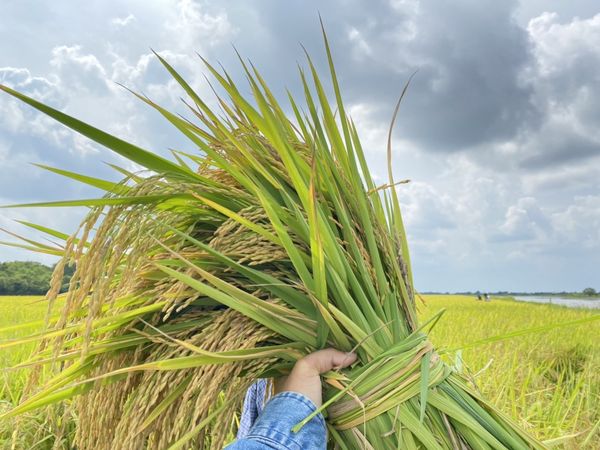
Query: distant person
[
  {"x": 479, "y": 297},
  {"x": 487, "y": 298}
]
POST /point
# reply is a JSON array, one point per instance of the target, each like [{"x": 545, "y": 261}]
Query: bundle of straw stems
[{"x": 225, "y": 265}]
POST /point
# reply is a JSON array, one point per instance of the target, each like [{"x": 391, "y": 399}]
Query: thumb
[
  {"x": 325, "y": 360},
  {"x": 305, "y": 376}
]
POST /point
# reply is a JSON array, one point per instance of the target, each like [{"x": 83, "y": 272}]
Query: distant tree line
[
  {"x": 29, "y": 278},
  {"x": 587, "y": 291}
]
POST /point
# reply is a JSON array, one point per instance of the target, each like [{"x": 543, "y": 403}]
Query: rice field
[
  {"x": 548, "y": 381},
  {"x": 37, "y": 430}
]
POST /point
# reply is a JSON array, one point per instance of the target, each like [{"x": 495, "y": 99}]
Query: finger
[
  {"x": 347, "y": 360},
  {"x": 324, "y": 360}
]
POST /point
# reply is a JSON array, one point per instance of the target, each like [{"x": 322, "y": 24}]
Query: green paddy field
[{"x": 525, "y": 357}]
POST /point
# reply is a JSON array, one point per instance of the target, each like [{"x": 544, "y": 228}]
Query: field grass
[
  {"x": 549, "y": 381},
  {"x": 37, "y": 430},
  {"x": 13, "y": 311}
]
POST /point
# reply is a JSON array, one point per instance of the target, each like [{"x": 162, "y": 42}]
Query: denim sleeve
[{"x": 273, "y": 429}]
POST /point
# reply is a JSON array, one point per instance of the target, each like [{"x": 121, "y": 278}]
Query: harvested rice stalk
[{"x": 230, "y": 264}]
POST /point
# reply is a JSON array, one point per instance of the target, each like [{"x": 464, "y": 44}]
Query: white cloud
[
  {"x": 20, "y": 78},
  {"x": 126, "y": 73},
  {"x": 563, "y": 72},
  {"x": 426, "y": 208},
  {"x": 405, "y": 5},
  {"x": 84, "y": 146},
  {"x": 560, "y": 47},
  {"x": 121, "y": 22},
  {"x": 12, "y": 116},
  {"x": 523, "y": 221},
  {"x": 18, "y": 118},
  {"x": 78, "y": 70},
  {"x": 192, "y": 26},
  {"x": 579, "y": 224},
  {"x": 361, "y": 47},
  {"x": 65, "y": 54},
  {"x": 565, "y": 178}
]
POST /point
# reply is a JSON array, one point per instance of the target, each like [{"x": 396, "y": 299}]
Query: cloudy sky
[{"x": 499, "y": 131}]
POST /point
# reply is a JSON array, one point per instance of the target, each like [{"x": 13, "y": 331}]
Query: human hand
[{"x": 305, "y": 377}]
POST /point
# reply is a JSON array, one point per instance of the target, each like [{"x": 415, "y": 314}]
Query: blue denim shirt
[{"x": 273, "y": 428}]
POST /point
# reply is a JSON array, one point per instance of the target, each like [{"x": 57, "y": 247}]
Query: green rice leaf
[{"x": 136, "y": 154}]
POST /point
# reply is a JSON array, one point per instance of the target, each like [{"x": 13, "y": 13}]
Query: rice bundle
[{"x": 228, "y": 265}]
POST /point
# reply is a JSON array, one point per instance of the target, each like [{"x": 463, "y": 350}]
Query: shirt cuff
[{"x": 281, "y": 413}]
